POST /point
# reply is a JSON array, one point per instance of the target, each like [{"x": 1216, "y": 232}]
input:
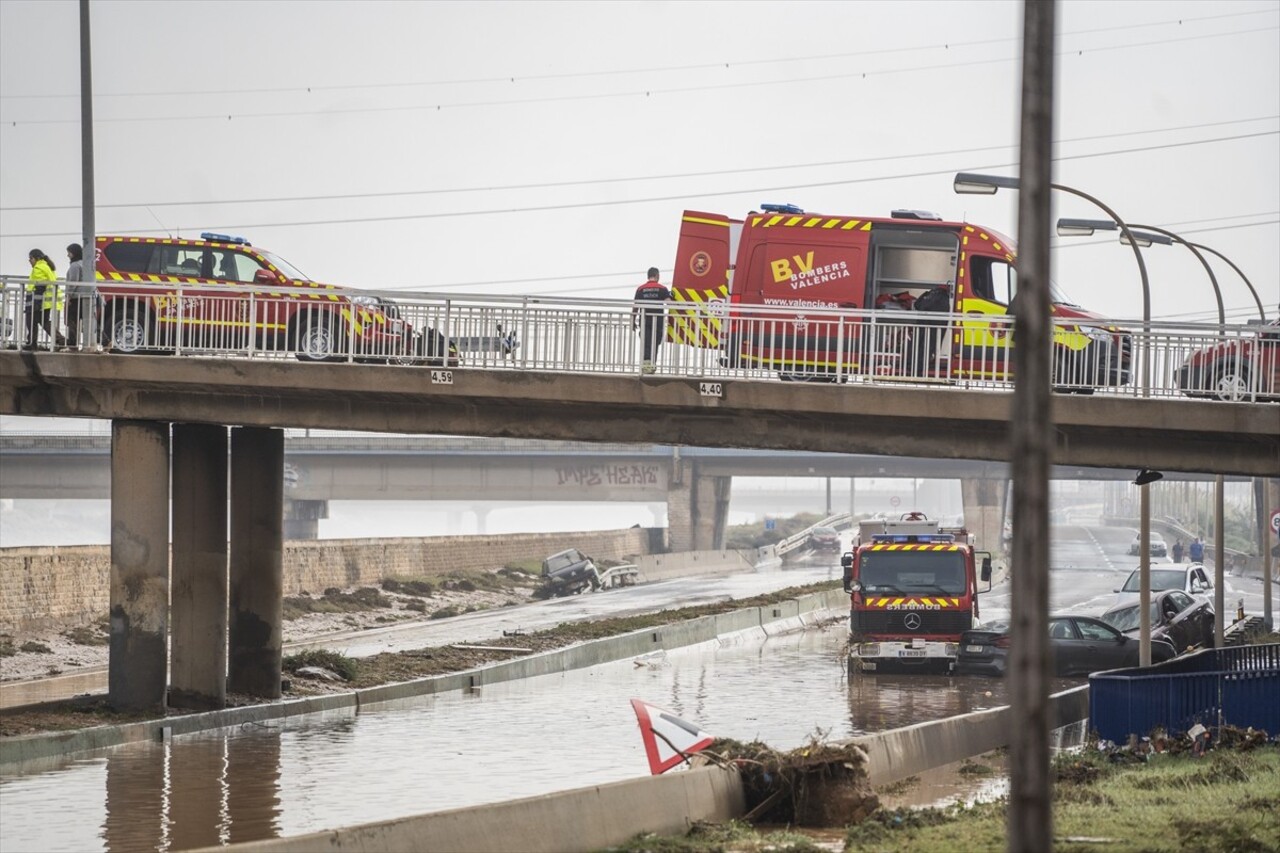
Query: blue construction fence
[{"x": 1238, "y": 686}]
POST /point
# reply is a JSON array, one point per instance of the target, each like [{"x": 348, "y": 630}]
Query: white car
[
  {"x": 1192, "y": 578},
  {"x": 1156, "y": 546}
]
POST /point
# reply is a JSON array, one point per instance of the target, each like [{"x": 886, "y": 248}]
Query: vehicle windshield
[
  {"x": 1126, "y": 618},
  {"x": 556, "y": 562},
  {"x": 289, "y": 270},
  {"x": 1161, "y": 579},
  {"x": 824, "y": 531},
  {"x": 913, "y": 572}
]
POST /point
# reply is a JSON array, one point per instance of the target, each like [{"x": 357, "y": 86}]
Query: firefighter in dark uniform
[{"x": 649, "y": 316}]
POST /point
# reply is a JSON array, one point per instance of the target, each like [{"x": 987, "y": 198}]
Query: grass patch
[
  {"x": 445, "y": 612},
  {"x": 339, "y": 664},
  {"x": 735, "y": 835},
  {"x": 35, "y": 647},
  {"x": 973, "y": 768},
  {"x": 335, "y": 601},
  {"x": 7, "y": 649},
  {"x": 87, "y": 635},
  {"x": 413, "y": 586}
]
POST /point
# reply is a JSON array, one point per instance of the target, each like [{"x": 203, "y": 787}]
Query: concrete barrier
[
  {"x": 603, "y": 816},
  {"x": 658, "y": 567},
  {"x": 581, "y": 820},
  {"x": 904, "y": 752}
]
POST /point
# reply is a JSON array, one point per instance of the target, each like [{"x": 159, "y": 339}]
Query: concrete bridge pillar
[
  {"x": 256, "y": 569},
  {"x": 198, "y": 666},
  {"x": 138, "y": 664},
  {"x": 984, "y": 509},
  {"x": 302, "y": 518},
  {"x": 697, "y": 510}
]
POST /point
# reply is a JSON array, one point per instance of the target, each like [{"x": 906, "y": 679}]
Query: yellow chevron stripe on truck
[{"x": 699, "y": 323}]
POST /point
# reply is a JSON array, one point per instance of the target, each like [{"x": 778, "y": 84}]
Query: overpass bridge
[
  {"x": 370, "y": 468},
  {"x": 576, "y": 380}
]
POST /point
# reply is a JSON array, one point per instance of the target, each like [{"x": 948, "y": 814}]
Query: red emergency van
[{"x": 931, "y": 299}]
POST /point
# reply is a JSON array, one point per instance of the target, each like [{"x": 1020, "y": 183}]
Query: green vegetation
[
  {"x": 36, "y": 647},
  {"x": 335, "y": 601},
  {"x": 6, "y": 646},
  {"x": 88, "y": 635},
  {"x": 1227, "y": 801},
  {"x": 340, "y": 665},
  {"x": 736, "y": 836}
]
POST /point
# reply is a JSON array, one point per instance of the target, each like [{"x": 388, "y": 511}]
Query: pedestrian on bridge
[
  {"x": 42, "y": 307},
  {"x": 649, "y": 316},
  {"x": 82, "y": 302}
]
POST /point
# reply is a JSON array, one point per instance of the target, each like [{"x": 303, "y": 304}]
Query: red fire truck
[
  {"x": 932, "y": 299},
  {"x": 220, "y": 292},
  {"x": 913, "y": 588}
]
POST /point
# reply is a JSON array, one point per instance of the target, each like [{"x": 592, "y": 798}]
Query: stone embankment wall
[{"x": 56, "y": 587}]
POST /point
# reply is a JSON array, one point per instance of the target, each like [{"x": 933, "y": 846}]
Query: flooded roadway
[
  {"x": 506, "y": 741},
  {"x": 509, "y": 740}
]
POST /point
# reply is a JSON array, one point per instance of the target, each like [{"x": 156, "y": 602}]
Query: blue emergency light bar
[
  {"x": 224, "y": 238},
  {"x": 780, "y": 208},
  {"x": 902, "y": 538}
]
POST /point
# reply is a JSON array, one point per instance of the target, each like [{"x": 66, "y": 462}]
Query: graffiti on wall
[{"x": 609, "y": 475}]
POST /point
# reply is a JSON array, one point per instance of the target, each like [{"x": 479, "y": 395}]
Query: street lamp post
[{"x": 974, "y": 183}]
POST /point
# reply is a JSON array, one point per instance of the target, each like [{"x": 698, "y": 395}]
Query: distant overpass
[{"x": 36, "y": 466}]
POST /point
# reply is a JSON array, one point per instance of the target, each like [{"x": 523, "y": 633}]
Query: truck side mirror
[
  {"x": 846, "y": 560},
  {"x": 265, "y": 277},
  {"x": 986, "y": 569}
]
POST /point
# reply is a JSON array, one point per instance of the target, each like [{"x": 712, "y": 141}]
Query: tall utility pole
[
  {"x": 1030, "y": 828},
  {"x": 89, "y": 264}
]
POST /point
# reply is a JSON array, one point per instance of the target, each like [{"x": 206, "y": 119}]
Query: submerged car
[
  {"x": 1156, "y": 546},
  {"x": 1078, "y": 645},
  {"x": 1175, "y": 617},
  {"x": 824, "y": 539},
  {"x": 1242, "y": 369},
  {"x": 1191, "y": 578}
]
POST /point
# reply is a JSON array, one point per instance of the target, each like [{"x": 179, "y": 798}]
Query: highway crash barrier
[
  {"x": 1237, "y": 686},
  {"x": 603, "y": 816}
]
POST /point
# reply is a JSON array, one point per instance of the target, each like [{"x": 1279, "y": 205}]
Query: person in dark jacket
[
  {"x": 1177, "y": 550},
  {"x": 82, "y": 301},
  {"x": 649, "y": 316}
]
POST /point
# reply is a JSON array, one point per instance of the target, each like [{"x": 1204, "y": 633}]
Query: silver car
[{"x": 1192, "y": 578}]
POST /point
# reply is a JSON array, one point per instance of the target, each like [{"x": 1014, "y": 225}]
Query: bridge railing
[{"x": 710, "y": 340}]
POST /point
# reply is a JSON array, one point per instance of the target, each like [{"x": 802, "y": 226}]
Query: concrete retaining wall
[{"x": 58, "y": 587}]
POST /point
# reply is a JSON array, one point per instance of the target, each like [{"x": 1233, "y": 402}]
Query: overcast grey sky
[{"x": 549, "y": 148}]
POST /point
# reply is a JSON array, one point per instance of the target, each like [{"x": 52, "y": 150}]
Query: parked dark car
[
  {"x": 1156, "y": 545},
  {"x": 1175, "y": 617},
  {"x": 824, "y": 539},
  {"x": 1078, "y": 645},
  {"x": 1247, "y": 368}
]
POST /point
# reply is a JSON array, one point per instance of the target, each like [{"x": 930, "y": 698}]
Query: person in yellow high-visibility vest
[{"x": 43, "y": 306}]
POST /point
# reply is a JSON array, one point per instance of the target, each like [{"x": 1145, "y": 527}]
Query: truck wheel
[
  {"x": 318, "y": 340},
  {"x": 128, "y": 330}
]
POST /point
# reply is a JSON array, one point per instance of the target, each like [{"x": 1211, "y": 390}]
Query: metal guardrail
[
  {"x": 797, "y": 540},
  {"x": 706, "y": 340},
  {"x": 1239, "y": 686}
]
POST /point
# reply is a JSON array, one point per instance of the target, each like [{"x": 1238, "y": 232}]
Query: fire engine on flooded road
[{"x": 913, "y": 588}]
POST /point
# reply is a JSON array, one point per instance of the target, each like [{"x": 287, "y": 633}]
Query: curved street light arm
[
  {"x": 1217, "y": 291},
  {"x": 1128, "y": 235},
  {"x": 1261, "y": 312}
]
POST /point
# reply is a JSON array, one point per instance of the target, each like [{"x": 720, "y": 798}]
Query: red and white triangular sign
[{"x": 667, "y": 738}]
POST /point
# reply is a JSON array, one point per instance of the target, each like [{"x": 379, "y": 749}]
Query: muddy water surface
[{"x": 500, "y": 742}]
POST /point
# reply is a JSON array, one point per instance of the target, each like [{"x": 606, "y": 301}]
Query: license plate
[
  {"x": 975, "y": 649},
  {"x": 911, "y": 653}
]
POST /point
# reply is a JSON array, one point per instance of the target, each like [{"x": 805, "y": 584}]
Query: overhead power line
[
  {"x": 566, "y": 75},
  {"x": 544, "y": 208},
  {"x": 628, "y": 179},
  {"x": 635, "y": 93}
]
